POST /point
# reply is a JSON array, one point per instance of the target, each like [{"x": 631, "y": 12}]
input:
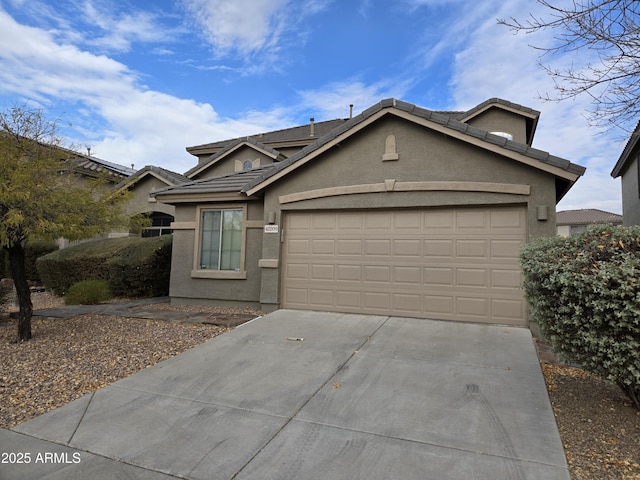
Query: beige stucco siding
[
  {"x": 423, "y": 155},
  {"x": 139, "y": 202},
  {"x": 227, "y": 164},
  {"x": 498, "y": 120},
  {"x": 186, "y": 288},
  {"x": 630, "y": 197}
]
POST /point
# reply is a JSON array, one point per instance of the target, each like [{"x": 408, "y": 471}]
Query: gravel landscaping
[{"x": 68, "y": 358}]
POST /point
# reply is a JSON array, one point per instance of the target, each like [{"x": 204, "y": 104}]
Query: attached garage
[
  {"x": 398, "y": 211},
  {"x": 440, "y": 263}
]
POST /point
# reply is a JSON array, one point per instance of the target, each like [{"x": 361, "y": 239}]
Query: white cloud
[
  {"x": 333, "y": 100},
  {"x": 495, "y": 62},
  {"x": 118, "y": 30},
  {"x": 249, "y": 27},
  {"x": 122, "y": 121}
]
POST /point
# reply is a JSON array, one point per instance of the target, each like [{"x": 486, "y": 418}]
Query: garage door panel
[
  {"x": 438, "y": 276},
  {"x": 297, "y": 271},
  {"x": 438, "y": 221},
  {"x": 439, "y": 305},
  {"x": 407, "y": 247},
  {"x": 508, "y": 248},
  {"x": 377, "y": 273},
  {"x": 507, "y": 310},
  {"x": 298, "y": 247},
  {"x": 380, "y": 301},
  {"x": 472, "y": 277},
  {"x": 472, "y": 220},
  {"x": 323, "y": 222},
  {"x": 458, "y": 264},
  {"x": 323, "y": 272},
  {"x": 407, "y": 303},
  {"x": 438, "y": 248},
  {"x": 321, "y": 298},
  {"x": 407, "y": 221},
  {"x": 509, "y": 279},
  {"x": 348, "y": 299},
  {"x": 349, "y": 273},
  {"x": 377, "y": 247},
  {"x": 472, "y": 248},
  {"x": 349, "y": 247},
  {"x": 406, "y": 274},
  {"x": 298, "y": 297},
  {"x": 323, "y": 247},
  {"x": 472, "y": 307},
  {"x": 507, "y": 220}
]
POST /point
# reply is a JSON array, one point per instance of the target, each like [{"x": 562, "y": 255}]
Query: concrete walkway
[{"x": 310, "y": 395}]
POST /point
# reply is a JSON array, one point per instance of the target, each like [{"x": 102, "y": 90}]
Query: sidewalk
[{"x": 145, "y": 309}]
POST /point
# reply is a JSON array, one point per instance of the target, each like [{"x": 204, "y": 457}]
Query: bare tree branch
[{"x": 607, "y": 32}]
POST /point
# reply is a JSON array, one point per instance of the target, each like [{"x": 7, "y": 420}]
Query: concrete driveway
[{"x": 312, "y": 395}]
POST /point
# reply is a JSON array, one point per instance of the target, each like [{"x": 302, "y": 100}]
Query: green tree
[
  {"x": 41, "y": 196},
  {"x": 607, "y": 34}
]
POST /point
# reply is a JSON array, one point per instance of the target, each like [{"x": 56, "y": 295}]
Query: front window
[{"x": 221, "y": 241}]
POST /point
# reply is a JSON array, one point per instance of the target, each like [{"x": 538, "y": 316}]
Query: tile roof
[
  {"x": 293, "y": 134},
  {"x": 95, "y": 165},
  {"x": 433, "y": 116},
  {"x": 586, "y": 217},
  {"x": 171, "y": 177},
  {"x": 243, "y": 182},
  {"x": 229, "y": 147},
  {"x": 229, "y": 183}
]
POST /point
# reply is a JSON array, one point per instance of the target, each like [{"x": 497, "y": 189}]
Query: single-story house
[
  {"x": 627, "y": 167},
  {"x": 574, "y": 222},
  {"x": 399, "y": 210}
]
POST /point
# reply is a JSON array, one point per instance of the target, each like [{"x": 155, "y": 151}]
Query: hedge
[
  {"x": 584, "y": 292},
  {"x": 132, "y": 266}
]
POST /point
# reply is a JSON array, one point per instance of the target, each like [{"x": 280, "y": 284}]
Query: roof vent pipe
[
  {"x": 350, "y": 111},
  {"x": 312, "y": 132}
]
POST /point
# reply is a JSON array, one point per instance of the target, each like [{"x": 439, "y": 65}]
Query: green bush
[
  {"x": 584, "y": 292},
  {"x": 132, "y": 266},
  {"x": 88, "y": 292}
]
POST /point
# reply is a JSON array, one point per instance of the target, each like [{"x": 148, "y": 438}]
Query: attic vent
[{"x": 506, "y": 135}]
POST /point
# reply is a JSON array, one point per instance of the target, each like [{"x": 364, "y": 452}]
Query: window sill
[{"x": 219, "y": 274}]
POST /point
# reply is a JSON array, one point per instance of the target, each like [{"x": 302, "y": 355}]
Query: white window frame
[{"x": 197, "y": 271}]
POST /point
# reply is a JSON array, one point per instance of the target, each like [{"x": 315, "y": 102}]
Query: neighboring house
[
  {"x": 397, "y": 211},
  {"x": 627, "y": 168},
  {"x": 88, "y": 168},
  {"x": 141, "y": 183},
  {"x": 574, "y": 222}
]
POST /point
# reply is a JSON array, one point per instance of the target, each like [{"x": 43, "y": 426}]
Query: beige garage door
[{"x": 457, "y": 264}]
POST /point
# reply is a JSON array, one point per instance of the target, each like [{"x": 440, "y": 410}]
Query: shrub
[
  {"x": 584, "y": 292},
  {"x": 132, "y": 266},
  {"x": 33, "y": 251},
  {"x": 88, "y": 292}
]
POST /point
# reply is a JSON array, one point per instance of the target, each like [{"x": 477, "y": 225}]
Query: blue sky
[{"x": 140, "y": 80}]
